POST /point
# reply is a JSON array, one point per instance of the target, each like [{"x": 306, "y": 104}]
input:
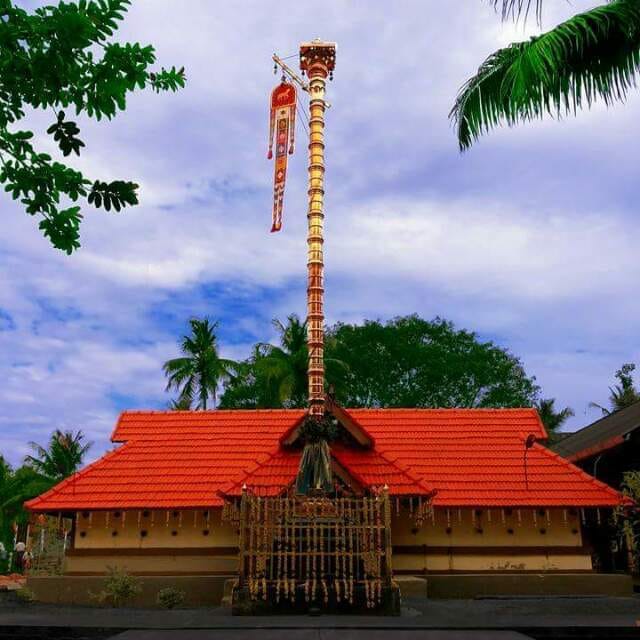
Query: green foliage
[
  {"x": 61, "y": 57},
  {"x": 180, "y": 404},
  {"x": 275, "y": 376},
  {"x": 170, "y": 597},
  {"x": 623, "y": 394},
  {"x": 64, "y": 133},
  {"x": 407, "y": 362},
  {"x": 594, "y": 55},
  {"x": 120, "y": 588},
  {"x": 62, "y": 456},
  {"x": 247, "y": 388},
  {"x": 628, "y": 518},
  {"x": 552, "y": 419},
  {"x": 17, "y": 486},
  {"x": 411, "y": 362},
  {"x": 25, "y": 595},
  {"x": 199, "y": 372},
  {"x": 284, "y": 368},
  {"x": 116, "y": 194}
]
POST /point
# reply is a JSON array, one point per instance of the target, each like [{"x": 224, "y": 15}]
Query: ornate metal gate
[{"x": 314, "y": 550}]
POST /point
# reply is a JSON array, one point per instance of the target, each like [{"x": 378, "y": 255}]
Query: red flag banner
[{"x": 282, "y": 123}]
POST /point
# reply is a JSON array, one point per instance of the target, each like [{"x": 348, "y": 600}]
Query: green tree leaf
[{"x": 59, "y": 57}]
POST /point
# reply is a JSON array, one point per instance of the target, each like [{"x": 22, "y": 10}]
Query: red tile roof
[
  {"x": 467, "y": 457},
  {"x": 367, "y": 468},
  {"x": 373, "y": 469}
]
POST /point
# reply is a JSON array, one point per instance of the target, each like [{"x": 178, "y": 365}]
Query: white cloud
[{"x": 487, "y": 247}]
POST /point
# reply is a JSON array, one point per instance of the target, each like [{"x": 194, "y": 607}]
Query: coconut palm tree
[
  {"x": 182, "y": 403},
  {"x": 623, "y": 394},
  {"x": 200, "y": 371},
  {"x": 594, "y": 55},
  {"x": 552, "y": 419},
  {"x": 61, "y": 457},
  {"x": 284, "y": 368}
]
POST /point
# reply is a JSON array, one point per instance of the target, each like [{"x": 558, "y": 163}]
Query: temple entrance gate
[{"x": 298, "y": 552}]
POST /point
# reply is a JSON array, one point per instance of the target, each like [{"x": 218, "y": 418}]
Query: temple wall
[
  {"x": 186, "y": 542},
  {"x": 464, "y": 527},
  {"x": 187, "y": 529},
  {"x": 464, "y": 541},
  {"x": 489, "y": 540}
]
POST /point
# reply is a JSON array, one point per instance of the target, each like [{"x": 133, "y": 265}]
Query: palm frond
[
  {"x": 177, "y": 371},
  {"x": 518, "y": 8},
  {"x": 62, "y": 457},
  {"x": 594, "y": 55},
  {"x": 182, "y": 403},
  {"x": 595, "y": 405}
]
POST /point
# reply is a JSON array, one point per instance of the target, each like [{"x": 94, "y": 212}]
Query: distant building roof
[
  {"x": 461, "y": 457},
  {"x": 601, "y": 435}
]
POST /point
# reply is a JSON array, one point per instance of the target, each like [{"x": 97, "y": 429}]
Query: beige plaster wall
[
  {"x": 99, "y": 529},
  {"x": 561, "y": 528},
  {"x": 516, "y": 540},
  {"x": 430, "y": 547}
]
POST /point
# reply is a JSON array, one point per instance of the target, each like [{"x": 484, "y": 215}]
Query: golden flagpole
[{"x": 317, "y": 61}]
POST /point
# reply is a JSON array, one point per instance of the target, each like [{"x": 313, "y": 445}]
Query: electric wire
[{"x": 302, "y": 118}]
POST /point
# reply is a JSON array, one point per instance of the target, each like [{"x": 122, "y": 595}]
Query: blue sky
[{"x": 529, "y": 239}]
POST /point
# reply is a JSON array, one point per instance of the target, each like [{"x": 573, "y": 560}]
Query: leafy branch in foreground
[
  {"x": 594, "y": 55},
  {"x": 59, "y": 57}
]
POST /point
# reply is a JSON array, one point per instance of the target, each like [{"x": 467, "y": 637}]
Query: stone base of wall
[
  {"x": 200, "y": 591},
  {"x": 526, "y": 584},
  {"x": 208, "y": 591}
]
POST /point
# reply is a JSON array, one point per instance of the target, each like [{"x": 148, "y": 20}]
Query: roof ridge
[
  {"x": 192, "y": 414},
  {"x": 406, "y": 470},
  {"x": 349, "y": 409},
  {"x": 257, "y": 465},
  {"x": 204, "y": 411},
  {"x": 393, "y": 463},
  {"x": 445, "y": 409}
]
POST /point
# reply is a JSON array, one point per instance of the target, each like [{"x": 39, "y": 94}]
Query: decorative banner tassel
[{"x": 282, "y": 123}]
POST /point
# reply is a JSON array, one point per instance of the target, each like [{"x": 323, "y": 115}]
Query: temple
[{"x": 464, "y": 502}]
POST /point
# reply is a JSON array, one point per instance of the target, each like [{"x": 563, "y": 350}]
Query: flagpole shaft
[{"x": 317, "y": 60}]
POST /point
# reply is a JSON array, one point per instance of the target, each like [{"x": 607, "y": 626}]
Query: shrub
[
  {"x": 119, "y": 588},
  {"x": 170, "y": 597},
  {"x": 627, "y": 520},
  {"x": 25, "y": 595}
]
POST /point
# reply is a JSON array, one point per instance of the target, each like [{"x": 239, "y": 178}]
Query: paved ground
[
  {"x": 319, "y": 634},
  {"x": 504, "y": 613}
]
